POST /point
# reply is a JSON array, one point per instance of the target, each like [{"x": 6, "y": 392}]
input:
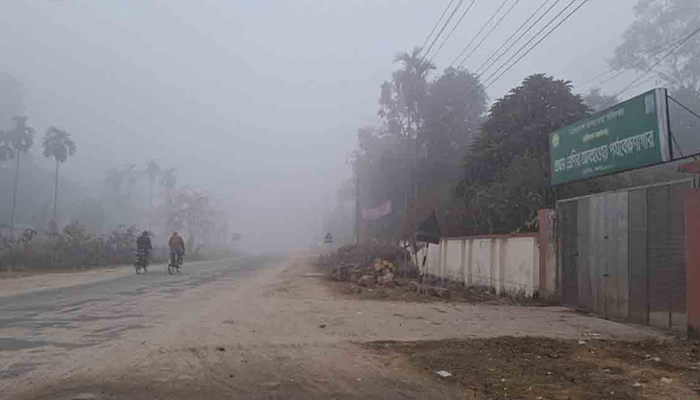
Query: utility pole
[{"x": 357, "y": 203}]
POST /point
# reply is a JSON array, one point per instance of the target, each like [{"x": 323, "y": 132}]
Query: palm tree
[
  {"x": 169, "y": 179},
  {"x": 411, "y": 84},
  {"x": 153, "y": 171},
  {"x": 58, "y": 145},
  {"x": 20, "y": 139}
]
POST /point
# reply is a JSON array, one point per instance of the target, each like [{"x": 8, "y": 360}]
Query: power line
[
  {"x": 437, "y": 23},
  {"x": 464, "y": 60},
  {"x": 454, "y": 11},
  {"x": 536, "y": 43},
  {"x": 679, "y": 44},
  {"x": 519, "y": 37},
  {"x": 635, "y": 64},
  {"x": 512, "y": 35},
  {"x": 683, "y": 106},
  {"x": 624, "y": 71},
  {"x": 478, "y": 33},
  {"x": 651, "y": 78},
  {"x": 459, "y": 21}
]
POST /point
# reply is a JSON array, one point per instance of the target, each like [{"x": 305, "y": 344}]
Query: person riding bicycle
[
  {"x": 144, "y": 246},
  {"x": 177, "y": 248}
]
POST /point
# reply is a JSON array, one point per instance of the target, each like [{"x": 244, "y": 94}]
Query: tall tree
[
  {"x": 58, "y": 145},
  {"x": 114, "y": 180},
  {"x": 597, "y": 101},
  {"x": 168, "y": 179},
  {"x": 401, "y": 102},
  {"x": 660, "y": 24},
  {"x": 153, "y": 171},
  {"x": 192, "y": 210},
  {"x": 21, "y": 139},
  {"x": 6, "y": 151},
  {"x": 506, "y": 171},
  {"x": 129, "y": 174},
  {"x": 454, "y": 109},
  {"x": 402, "y": 98}
]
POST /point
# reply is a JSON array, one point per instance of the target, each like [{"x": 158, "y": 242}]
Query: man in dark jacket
[{"x": 144, "y": 246}]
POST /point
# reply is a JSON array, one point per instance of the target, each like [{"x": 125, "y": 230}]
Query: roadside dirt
[
  {"x": 406, "y": 292},
  {"x": 539, "y": 368},
  {"x": 284, "y": 334}
]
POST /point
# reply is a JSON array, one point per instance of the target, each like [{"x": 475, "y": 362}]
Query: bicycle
[
  {"x": 175, "y": 263},
  {"x": 141, "y": 263}
]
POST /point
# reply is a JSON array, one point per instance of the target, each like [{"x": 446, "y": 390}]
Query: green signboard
[{"x": 629, "y": 135}]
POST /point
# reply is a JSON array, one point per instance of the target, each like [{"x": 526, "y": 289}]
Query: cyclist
[
  {"x": 177, "y": 248},
  {"x": 143, "y": 246}
]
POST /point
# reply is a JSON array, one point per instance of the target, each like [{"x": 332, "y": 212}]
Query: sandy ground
[{"x": 281, "y": 334}]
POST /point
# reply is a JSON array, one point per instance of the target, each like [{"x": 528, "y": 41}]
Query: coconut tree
[
  {"x": 153, "y": 171},
  {"x": 58, "y": 145},
  {"x": 20, "y": 139}
]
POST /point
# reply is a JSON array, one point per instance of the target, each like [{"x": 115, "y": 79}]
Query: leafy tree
[
  {"x": 659, "y": 24},
  {"x": 402, "y": 98},
  {"x": 129, "y": 175},
  {"x": 58, "y": 145},
  {"x": 192, "y": 210},
  {"x": 6, "y": 151},
  {"x": 114, "y": 180},
  {"x": 597, "y": 101},
  {"x": 168, "y": 178},
  {"x": 506, "y": 171},
  {"x": 416, "y": 152},
  {"x": 20, "y": 139},
  {"x": 401, "y": 104},
  {"x": 153, "y": 171},
  {"x": 453, "y": 111}
]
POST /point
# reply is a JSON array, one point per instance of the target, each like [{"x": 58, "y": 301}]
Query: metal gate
[{"x": 622, "y": 254}]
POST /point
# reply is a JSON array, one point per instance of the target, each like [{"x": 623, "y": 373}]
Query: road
[
  {"x": 44, "y": 328},
  {"x": 244, "y": 329},
  {"x": 218, "y": 330}
]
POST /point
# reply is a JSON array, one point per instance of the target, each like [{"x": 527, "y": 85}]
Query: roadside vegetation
[
  {"x": 439, "y": 143},
  {"x": 49, "y": 221}
]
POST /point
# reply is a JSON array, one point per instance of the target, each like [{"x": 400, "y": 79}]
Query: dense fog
[{"x": 256, "y": 103}]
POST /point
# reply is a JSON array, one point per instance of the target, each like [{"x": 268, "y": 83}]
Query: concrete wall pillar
[
  {"x": 692, "y": 260},
  {"x": 470, "y": 262},
  {"x": 547, "y": 244}
]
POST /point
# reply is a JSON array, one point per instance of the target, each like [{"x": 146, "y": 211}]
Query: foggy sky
[{"x": 257, "y": 101}]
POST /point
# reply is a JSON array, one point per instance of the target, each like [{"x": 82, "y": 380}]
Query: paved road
[{"x": 40, "y": 328}]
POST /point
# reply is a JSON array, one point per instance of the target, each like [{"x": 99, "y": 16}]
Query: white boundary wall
[{"x": 506, "y": 263}]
